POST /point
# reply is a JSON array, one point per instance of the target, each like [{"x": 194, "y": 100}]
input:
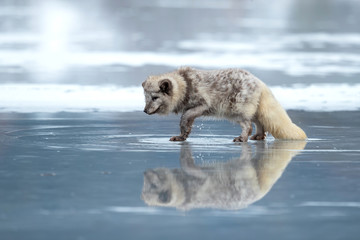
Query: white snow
[{"x": 57, "y": 97}]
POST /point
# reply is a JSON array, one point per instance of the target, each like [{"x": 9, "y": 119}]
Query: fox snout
[{"x": 149, "y": 109}]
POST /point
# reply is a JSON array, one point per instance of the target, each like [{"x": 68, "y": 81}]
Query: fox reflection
[{"x": 234, "y": 184}]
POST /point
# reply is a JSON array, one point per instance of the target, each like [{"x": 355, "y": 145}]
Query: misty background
[{"x": 286, "y": 43}]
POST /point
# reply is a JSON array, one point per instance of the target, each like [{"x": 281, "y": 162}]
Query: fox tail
[{"x": 275, "y": 120}]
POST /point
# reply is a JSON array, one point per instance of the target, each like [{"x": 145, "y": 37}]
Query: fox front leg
[{"x": 186, "y": 122}]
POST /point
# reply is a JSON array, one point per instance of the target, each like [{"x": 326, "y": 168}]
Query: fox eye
[{"x": 154, "y": 98}]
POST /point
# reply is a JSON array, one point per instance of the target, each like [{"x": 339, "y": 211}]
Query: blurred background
[{"x": 68, "y": 51}]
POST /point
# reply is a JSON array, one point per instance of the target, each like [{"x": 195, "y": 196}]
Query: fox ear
[
  {"x": 143, "y": 84},
  {"x": 165, "y": 86}
]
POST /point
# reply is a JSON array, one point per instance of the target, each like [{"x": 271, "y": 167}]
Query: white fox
[{"x": 233, "y": 94}]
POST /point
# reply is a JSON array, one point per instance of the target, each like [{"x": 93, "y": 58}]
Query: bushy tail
[{"x": 275, "y": 119}]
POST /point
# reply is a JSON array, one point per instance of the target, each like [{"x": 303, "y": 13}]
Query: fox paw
[
  {"x": 177, "y": 139},
  {"x": 240, "y": 139},
  {"x": 258, "y": 136}
]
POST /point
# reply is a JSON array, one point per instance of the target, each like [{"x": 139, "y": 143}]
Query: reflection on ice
[{"x": 234, "y": 184}]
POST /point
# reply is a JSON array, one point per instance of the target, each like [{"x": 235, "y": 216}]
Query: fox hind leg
[
  {"x": 260, "y": 132},
  {"x": 246, "y": 131}
]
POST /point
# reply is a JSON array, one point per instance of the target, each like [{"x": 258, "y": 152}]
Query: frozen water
[{"x": 63, "y": 173}]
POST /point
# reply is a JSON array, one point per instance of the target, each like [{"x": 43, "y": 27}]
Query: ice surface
[{"x": 64, "y": 173}]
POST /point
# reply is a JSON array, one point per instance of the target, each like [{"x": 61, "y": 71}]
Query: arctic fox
[{"x": 234, "y": 94}]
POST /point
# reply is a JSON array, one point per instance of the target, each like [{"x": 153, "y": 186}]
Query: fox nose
[{"x": 145, "y": 111}]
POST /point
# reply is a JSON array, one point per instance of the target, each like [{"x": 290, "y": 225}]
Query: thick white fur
[{"x": 275, "y": 119}]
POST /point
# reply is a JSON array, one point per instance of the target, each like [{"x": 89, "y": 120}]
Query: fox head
[
  {"x": 158, "y": 95},
  {"x": 164, "y": 93}
]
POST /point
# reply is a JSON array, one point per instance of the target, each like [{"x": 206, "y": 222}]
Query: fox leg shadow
[
  {"x": 187, "y": 162},
  {"x": 188, "y": 165}
]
